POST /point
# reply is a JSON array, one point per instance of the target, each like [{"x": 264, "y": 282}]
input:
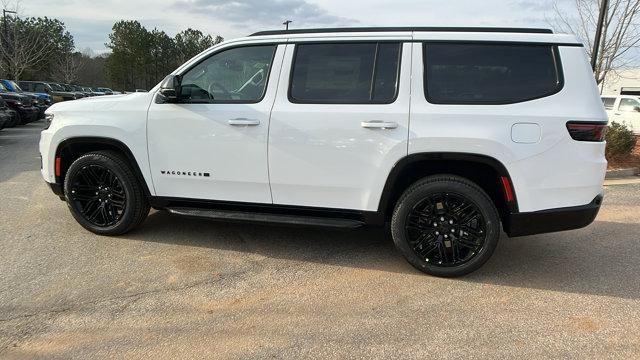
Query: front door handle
[
  {"x": 618, "y": 114},
  {"x": 244, "y": 122},
  {"x": 377, "y": 124}
]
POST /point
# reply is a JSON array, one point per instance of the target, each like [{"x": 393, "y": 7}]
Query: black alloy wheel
[
  {"x": 104, "y": 194},
  {"x": 445, "y": 225},
  {"x": 98, "y": 195},
  {"x": 445, "y": 229}
]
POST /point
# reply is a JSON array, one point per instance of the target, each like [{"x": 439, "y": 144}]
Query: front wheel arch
[{"x": 72, "y": 148}]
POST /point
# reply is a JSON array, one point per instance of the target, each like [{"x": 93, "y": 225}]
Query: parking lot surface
[{"x": 188, "y": 288}]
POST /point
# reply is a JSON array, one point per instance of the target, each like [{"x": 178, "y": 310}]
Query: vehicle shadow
[{"x": 602, "y": 259}]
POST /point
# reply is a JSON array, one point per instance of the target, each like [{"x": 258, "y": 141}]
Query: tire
[
  {"x": 445, "y": 225},
  {"x": 104, "y": 195}
]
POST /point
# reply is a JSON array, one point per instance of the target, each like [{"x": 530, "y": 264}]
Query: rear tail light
[{"x": 587, "y": 131}]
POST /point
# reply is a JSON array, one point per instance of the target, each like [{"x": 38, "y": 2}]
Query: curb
[{"x": 621, "y": 173}]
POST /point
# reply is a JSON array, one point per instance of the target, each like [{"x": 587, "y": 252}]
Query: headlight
[
  {"x": 48, "y": 119},
  {"x": 18, "y": 103}
]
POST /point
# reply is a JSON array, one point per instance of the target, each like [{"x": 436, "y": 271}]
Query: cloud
[{"x": 264, "y": 12}]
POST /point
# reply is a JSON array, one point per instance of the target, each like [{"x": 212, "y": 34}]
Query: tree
[
  {"x": 31, "y": 43},
  {"x": 67, "y": 67},
  {"x": 620, "y": 36},
  {"x": 190, "y": 43},
  {"x": 140, "y": 58}
]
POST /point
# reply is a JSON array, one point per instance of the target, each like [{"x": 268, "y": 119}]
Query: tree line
[
  {"x": 140, "y": 58},
  {"x": 41, "y": 48}
]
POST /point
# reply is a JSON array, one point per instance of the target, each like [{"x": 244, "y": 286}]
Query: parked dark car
[
  {"x": 72, "y": 89},
  {"x": 104, "y": 90},
  {"x": 10, "y": 114},
  {"x": 5, "y": 117},
  {"x": 22, "y": 104},
  {"x": 66, "y": 95},
  {"x": 13, "y": 86},
  {"x": 43, "y": 87},
  {"x": 40, "y": 100}
]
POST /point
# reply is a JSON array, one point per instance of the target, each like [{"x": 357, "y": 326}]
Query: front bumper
[
  {"x": 28, "y": 113},
  {"x": 546, "y": 221}
]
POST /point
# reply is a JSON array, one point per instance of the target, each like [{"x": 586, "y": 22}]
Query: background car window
[
  {"x": 489, "y": 74},
  {"x": 40, "y": 88},
  {"x": 628, "y": 105},
  {"x": 345, "y": 73},
  {"x": 608, "y": 103},
  {"x": 234, "y": 75}
]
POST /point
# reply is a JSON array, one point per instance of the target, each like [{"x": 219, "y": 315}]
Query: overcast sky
[{"x": 90, "y": 21}]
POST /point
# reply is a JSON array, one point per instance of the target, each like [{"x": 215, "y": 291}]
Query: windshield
[
  {"x": 57, "y": 87},
  {"x": 3, "y": 88},
  {"x": 15, "y": 86}
]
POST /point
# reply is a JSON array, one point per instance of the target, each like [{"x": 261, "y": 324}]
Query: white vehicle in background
[
  {"x": 623, "y": 109},
  {"x": 450, "y": 135}
]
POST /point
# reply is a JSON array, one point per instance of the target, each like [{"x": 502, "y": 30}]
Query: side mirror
[
  {"x": 170, "y": 88},
  {"x": 637, "y": 108}
]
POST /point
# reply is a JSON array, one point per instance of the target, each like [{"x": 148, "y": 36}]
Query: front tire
[
  {"x": 104, "y": 195},
  {"x": 445, "y": 225}
]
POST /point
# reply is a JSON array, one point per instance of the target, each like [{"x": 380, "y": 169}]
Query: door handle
[
  {"x": 377, "y": 124},
  {"x": 618, "y": 114},
  {"x": 244, "y": 122}
]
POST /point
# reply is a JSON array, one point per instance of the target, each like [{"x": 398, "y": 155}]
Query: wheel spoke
[
  {"x": 98, "y": 195},
  {"x": 445, "y": 229}
]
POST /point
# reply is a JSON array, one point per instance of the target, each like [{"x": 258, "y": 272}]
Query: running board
[{"x": 226, "y": 215}]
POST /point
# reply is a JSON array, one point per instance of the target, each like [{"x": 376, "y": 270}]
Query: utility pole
[
  {"x": 6, "y": 40},
  {"x": 286, "y": 24},
  {"x": 604, "y": 6}
]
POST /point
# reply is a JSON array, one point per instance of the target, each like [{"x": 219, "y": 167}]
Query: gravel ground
[{"x": 188, "y": 288}]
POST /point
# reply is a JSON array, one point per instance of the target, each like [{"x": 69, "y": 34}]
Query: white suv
[
  {"x": 445, "y": 133},
  {"x": 624, "y": 109}
]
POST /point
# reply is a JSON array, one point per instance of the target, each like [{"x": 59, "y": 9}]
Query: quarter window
[
  {"x": 237, "y": 75},
  {"x": 628, "y": 105},
  {"x": 476, "y": 73},
  {"x": 345, "y": 73}
]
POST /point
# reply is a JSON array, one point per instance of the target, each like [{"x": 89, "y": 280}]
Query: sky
[{"x": 90, "y": 21}]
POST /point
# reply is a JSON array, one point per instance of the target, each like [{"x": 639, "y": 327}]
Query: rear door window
[
  {"x": 345, "y": 73},
  {"x": 478, "y": 73}
]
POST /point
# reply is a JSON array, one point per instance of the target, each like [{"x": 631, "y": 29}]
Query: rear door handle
[
  {"x": 377, "y": 124},
  {"x": 244, "y": 122}
]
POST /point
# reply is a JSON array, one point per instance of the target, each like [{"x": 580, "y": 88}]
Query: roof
[{"x": 397, "y": 29}]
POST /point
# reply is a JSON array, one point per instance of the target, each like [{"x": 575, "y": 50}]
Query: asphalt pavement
[{"x": 189, "y": 288}]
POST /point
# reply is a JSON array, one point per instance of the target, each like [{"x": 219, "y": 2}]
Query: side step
[{"x": 226, "y": 215}]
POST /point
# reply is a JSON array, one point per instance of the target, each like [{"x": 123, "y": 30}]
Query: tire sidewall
[
  {"x": 105, "y": 161},
  {"x": 427, "y": 187}
]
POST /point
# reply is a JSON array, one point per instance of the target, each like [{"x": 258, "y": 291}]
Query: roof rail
[{"x": 407, "y": 28}]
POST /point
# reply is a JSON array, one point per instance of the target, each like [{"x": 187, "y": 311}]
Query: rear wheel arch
[
  {"x": 71, "y": 149},
  {"x": 483, "y": 170}
]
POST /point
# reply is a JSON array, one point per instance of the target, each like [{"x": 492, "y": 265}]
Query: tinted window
[
  {"x": 345, "y": 73},
  {"x": 628, "y": 105},
  {"x": 234, "y": 75},
  {"x": 489, "y": 73},
  {"x": 608, "y": 103}
]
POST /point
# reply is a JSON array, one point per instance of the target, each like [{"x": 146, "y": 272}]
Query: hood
[
  {"x": 14, "y": 96},
  {"x": 102, "y": 103}
]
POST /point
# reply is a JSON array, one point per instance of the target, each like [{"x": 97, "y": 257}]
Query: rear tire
[
  {"x": 445, "y": 225},
  {"x": 104, "y": 194}
]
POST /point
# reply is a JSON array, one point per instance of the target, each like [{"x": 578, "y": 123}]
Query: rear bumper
[{"x": 545, "y": 221}]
